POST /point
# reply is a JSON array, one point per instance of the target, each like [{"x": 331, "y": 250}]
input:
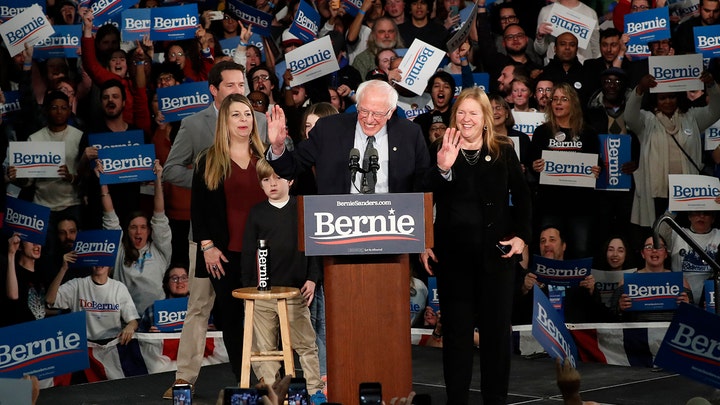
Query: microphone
[
  {"x": 374, "y": 163},
  {"x": 354, "y": 163}
]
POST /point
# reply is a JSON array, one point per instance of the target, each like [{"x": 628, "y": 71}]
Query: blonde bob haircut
[
  {"x": 218, "y": 163},
  {"x": 491, "y": 141}
]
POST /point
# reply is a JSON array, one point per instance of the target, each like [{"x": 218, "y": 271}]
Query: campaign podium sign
[
  {"x": 690, "y": 345},
  {"x": 104, "y": 140},
  {"x": 614, "y": 152},
  {"x": 351, "y": 224},
  {"x": 64, "y": 43},
  {"x": 170, "y": 314},
  {"x": 174, "y": 23},
  {"x": 178, "y": 102},
  {"x": 130, "y": 164},
  {"x": 30, "y": 221},
  {"x": 37, "y": 159},
  {"x": 45, "y": 348},
  {"x": 96, "y": 248},
  {"x": 653, "y": 291},
  {"x": 568, "y": 273},
  {"x": 549, "y": 329}
]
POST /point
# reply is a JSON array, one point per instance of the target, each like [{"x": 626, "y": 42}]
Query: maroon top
[{"x": 242, "y": 192}]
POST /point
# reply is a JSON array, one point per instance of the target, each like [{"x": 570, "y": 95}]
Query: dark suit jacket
[
  {"x": 208, "y": 212},
  {"x": 328, "y": 149}
]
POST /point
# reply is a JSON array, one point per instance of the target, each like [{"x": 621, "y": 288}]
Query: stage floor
[{"x": 531, "y": 382}]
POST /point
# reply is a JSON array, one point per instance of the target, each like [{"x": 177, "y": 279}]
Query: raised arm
[{"x": 11, "y": 283}]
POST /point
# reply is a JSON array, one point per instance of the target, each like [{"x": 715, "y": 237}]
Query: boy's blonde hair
[{"x": 263, "y": 169}]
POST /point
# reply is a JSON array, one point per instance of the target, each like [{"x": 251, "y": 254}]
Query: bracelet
[
  {"x": 287, "y": 88},
  {"x": 443, "y": 172},
  {"x": 352, "y": 93},
  {"x": 463, "y": 59},
  {"x": 620, "y": 57},
  {"x": 139, "y": 63},
  {"x": 244, "y": 44},
  {"x": 271, "y": 5},
  {"x": 104, "y": 195},
  {"x": 361, "y": 12},
  {"x": 436, "y": 335},
  {"x": 207, "y": 247}
]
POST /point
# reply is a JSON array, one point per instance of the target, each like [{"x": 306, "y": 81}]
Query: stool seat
[
  {"x": 281, "y": 294},
  {"x": 252, "y": 293}
]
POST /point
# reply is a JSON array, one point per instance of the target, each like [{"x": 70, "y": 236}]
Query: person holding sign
[
  {"x": 684, "y": 38},
  {"x": 224, "y": 188},
  {"x": 670, "y": 139},
  {"x": 477, "y": 237},
  {"x": 146, "y": 246},
  {"x": 654, "y": 263},
  {"x": 24, "y": 285},
  {"x": 175, "y": 284}
]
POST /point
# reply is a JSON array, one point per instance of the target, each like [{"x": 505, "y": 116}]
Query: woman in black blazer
[
  {"x": 224, "y": 188},
  {"x": 476, "y": 173}
]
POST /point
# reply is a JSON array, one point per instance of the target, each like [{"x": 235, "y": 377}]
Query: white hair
[{"x": 381, "y": 86}]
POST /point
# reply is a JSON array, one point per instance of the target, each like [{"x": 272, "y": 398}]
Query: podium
[{"x": 367, "y": 311}]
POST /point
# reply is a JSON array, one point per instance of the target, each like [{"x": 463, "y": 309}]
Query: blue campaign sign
[
  {"x": 710, "y": 296},
  {"x": 614, "y": 152},
  {"x": 174, "y": 23},
  {"x": 44, "y": 348},
  {"x": 568, "y": 273},
  {"x": 647, "y": 26},
  {"x": 352, "y": 6},
  {"x": 690, "y": 346},
  {"x": 178, "y": 102},
  {"x": 170, "y": 314},
  {"x": 229, "y": 45},
  {"x": 106, "y": 140},
  {"x": 135, "y": 23},
  {"x": 259, "y": 20},
  {"x": 433, "y": 297},
  {"x": 11, "y": 106},
  {"x": 130, "y": 164},
  {"x": 364, "y": 224},
  {"x": 707, "y": 41},
  {"x": 96, "y": 248},
  {"x": 481, "y": 80},
  {"x": 109, "y": 10},
  {"x": 653, "y": 291},
  {"x": 30, "y": 221},
  {"x": 64, "y": 43},
  {"x": 549, "y": 329},
  {"x": 10, "y": 9},
  {"x": 306, "y": 23}
]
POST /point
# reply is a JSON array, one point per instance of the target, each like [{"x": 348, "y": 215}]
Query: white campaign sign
[
  {"x": 312, "y": 60},
  {"x": 526, "y": 122},
  {"x": 712, "y": 136},
  {"x": 676, "y": 73},
  {"x": 568, "y": 169},
  {"x": 419, "y": 63},
  {"x": 564, "y": 19},
  {"x": 693, "y": 192},
  {"x": 36, "y": 159},
  {"x": 30, "y": 26}
]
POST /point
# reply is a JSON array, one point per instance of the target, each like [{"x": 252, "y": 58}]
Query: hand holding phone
[{"x": 370, "y": 393}]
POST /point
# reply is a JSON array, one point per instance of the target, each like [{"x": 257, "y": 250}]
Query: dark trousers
[
  {"x": 180, "y": 242},
  {"x": 229, "y": 312},
  {"x": 472, "y": 296}
]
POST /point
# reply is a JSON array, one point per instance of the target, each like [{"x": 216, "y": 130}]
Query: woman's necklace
[{"x": 471, "y": 158}]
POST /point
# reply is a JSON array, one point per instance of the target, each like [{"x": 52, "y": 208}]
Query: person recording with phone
[
  {"x": 397, "y": 144},
  {"x": 478, "y": 236}
]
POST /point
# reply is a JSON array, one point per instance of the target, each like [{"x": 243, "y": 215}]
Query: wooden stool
[{"x": 281, "y": 294}]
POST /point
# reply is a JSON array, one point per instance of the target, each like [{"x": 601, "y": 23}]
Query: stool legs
[
  {"x": 285, "y": 337},
  {"x": 247, "y": 343}
]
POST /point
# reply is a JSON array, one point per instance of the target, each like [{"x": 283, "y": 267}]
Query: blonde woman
[{"x": 224, "y": 188}]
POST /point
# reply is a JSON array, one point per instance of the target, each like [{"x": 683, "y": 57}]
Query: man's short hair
[
  {"x": 430, "y": 4},
  {"x": 215, "y": 75},
  {"x": 444, "y": 76},
  {"x": 52, "y": 96},
  {"x": 553, "y": 226},
  {"x": 110, "y": 84},
  {"x": 609, "y": 32}
]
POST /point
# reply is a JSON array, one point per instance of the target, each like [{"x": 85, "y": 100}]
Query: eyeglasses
[
  {"x": 511, "y": 37},
  {"x": 166, "y": 78},
  {"x": 508, "y": 18},
  {"x": 651, "y": 247},
  {"x": 362, "y": 112},
  {"x": 612, "y": 82},
  {"x": 559, "y": 99},
  {"x": 387, "y": 60},
  {"x": 176, "y": 54},
  {"x": 639, "y": 8},
  {"x": 260, "y": 78},
  {"x": 257, "y": 102},
  {"x": 544, "y": 90},
  {"x": 178, "y": 280}
]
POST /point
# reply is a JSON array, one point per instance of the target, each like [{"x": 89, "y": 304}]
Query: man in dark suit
[
  {"x": 402, "y": 153},
  {"x": 197, "y": 133}
]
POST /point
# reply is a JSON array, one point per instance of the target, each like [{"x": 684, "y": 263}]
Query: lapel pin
[
  {"x": 487, "y": 158},
  {"x": 394, "y": 148}
]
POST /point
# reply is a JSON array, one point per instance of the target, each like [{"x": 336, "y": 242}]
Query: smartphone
[
  {"x": 245, "y": 396},
  {"x": 370, "y": 393},
  {"x": 297, "y": 392},
  {"x": 182, "y": 394},
  {"x": 454, "y": 10},
  {"x": 216, "y": 15},
  {"x": 504, "y": 249},
  {"x": 422, "y": 399}
]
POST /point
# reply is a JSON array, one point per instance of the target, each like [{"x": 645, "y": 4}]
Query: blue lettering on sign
[
  {"x": 574, "y": 27},
  {"x": 646, "y": 26},
  {"x": 417, "y": 65},
  {"x": 566, "y": 168},
  {"x": 689, "y": 193},
  {"x": 34, "y": 25},
  {"x": 689, "y": 72},
  {"x": 317, "y": 58}
]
